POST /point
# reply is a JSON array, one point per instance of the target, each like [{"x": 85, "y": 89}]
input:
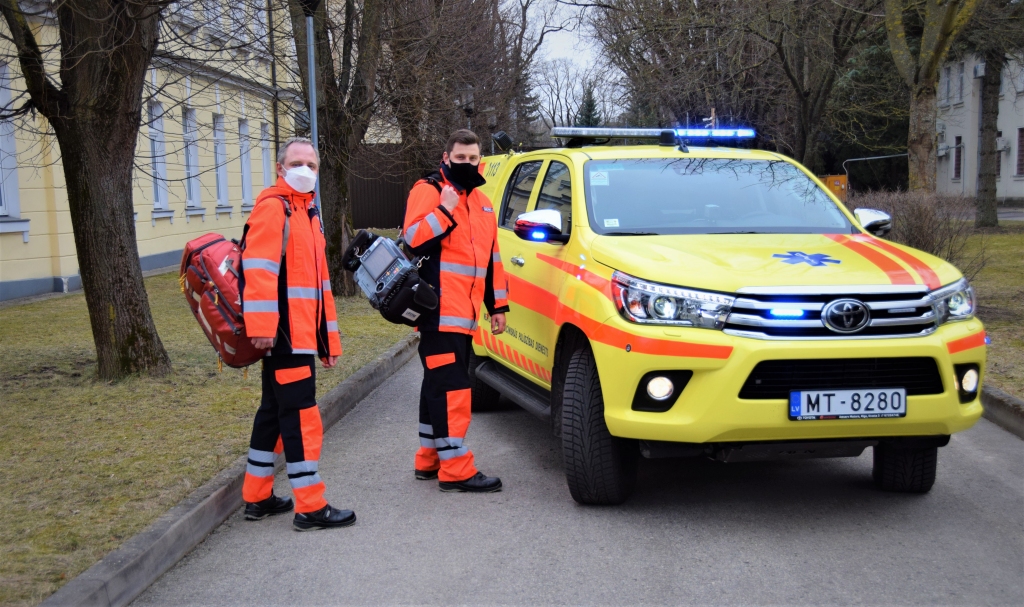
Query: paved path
[{"x": 813, "y": 532}]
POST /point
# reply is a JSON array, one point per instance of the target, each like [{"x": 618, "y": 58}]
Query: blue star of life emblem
[{"x": 813, "y": 259}]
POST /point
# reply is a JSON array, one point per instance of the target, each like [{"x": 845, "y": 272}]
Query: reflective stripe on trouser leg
[
  {"x": 426, "y": 456},
  {"x": 456, "y": 459},
  {"x": 264, "y": 445},
  {"x": 304, "y": 475}
]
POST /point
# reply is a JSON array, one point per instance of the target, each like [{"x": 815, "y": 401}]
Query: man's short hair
[
  {"x": 463, "y": 136},
  {"x": 283, "y": 152}
]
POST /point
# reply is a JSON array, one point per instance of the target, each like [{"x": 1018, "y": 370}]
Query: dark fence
[{"x": 378, "y": 187}]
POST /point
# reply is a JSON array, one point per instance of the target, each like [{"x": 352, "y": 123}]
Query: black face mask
[{"x": 463, "y": 174}]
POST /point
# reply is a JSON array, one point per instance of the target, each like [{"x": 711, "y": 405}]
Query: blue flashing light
[
  {"x": 786, "y": 312},
  {"x": 538, "y": 235},
  {"x": 716, "y": 133}
]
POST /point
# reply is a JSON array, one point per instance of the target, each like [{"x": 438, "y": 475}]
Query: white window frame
[
  {"x": 269, "y": 174},
  {"x": 220, "y": 159},
  {"x": 960, "y": 83},
  {"x": 158, "y": 155},
  {"x": 260, "y": 24},
  {"x": 946, "y": 85},
  {"x": 245, "y": 161},
  {"x": 237, "y": 20},
  {"x": 10, "y": 200},
  {"x": 190, "y": 136}
]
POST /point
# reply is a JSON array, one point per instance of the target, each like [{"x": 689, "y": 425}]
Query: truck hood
[{"x": 729, "y": 262}]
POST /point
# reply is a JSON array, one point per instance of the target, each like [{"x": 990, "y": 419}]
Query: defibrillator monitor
[{"x": 378, "y": 259}]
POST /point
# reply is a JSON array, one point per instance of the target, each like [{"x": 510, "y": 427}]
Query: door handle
[{"x": 518, "y": 261}]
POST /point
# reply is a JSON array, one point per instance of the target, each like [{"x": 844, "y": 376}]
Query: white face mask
[{"x": 302, "y": 179}]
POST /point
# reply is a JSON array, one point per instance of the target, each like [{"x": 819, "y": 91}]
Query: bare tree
[
  {"x": 920, "y": 34},
  {"x": 95, "y": 112}
]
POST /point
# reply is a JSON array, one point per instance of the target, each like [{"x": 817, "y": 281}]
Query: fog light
[
  {"x": 660, "y": 388},
  {"x": 970, "y": 381}
]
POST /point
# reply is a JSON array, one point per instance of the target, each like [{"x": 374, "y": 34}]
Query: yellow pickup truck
[{"x": 669, "y": 300}]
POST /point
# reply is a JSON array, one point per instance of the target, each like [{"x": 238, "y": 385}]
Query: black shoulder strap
[{"x": 435, "y": 179}]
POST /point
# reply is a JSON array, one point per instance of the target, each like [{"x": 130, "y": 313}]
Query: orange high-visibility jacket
[
  {"x": 463, "y": 261},
  {"x": 289, "y": 299}
]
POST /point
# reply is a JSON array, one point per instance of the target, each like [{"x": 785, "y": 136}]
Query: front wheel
[
  {"x": 905, "y": 470},
  {"x": 600, "y": 468}
]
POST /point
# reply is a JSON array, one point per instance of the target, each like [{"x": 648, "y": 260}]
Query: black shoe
[
  {"x": 272, "y": 505},
  {"x": 478, "y": 483},
  {"x": 426, "y": 475},
  {"x": 324, "y": 518}
]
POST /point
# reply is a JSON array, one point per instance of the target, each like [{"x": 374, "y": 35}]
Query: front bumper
[{"x": 710, "y": 409}]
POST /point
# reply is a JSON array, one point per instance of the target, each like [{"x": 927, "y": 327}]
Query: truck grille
[
  {"x": 893, "y": 311},
  {"x": 773, "y": 379}
]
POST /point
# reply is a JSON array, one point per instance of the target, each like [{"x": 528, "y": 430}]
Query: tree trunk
[
  {"x": 105, "y": 48},
  {"x": 97, "y": 152},
  {"x": 987, "y": 215},
  {"x": 921, "y": 139}
]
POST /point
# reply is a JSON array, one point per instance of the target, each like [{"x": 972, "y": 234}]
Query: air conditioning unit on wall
[
  {"x": 943, "y": 151},
  {"x": 979, "y": 70},
  {"x": 1002, "y": 144}
]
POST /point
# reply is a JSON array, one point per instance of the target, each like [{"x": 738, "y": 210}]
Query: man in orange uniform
[
  {"x": 452, "y": 223},
  {"x": 288, "y": 307}
]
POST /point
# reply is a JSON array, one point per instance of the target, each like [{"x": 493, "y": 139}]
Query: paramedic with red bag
[{"x": 289, "y": 309}]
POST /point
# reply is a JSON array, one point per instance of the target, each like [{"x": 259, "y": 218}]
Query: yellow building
[{"x": 206, "y": 147}]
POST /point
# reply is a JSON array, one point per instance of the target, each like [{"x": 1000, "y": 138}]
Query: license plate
[{"x": 847, "y": 404}]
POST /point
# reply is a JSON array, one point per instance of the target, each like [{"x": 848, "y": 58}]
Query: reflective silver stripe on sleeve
[
  {"x": 426, "y": 429},
  {"x": 326, "y": 286},
  {"x": 263, "y": 457},
  {"x": 259, "y": 305},
  {"x": 500, "y": 294},
  {"x": 458, "y": 268},
  {"x": 452, "y": 453},
  {"x": 303, "y": 293},
  {"x": 496, "y": 257},
  {"x": 259, "y": 471},
  {"x": 455, "y": 321},
  {"x": 306, "y": 466},
  {"x": 410, "y": 232},
  {"x": 332, "y": 325},
  {"x": 256, "y": 263},
  {"x": 435, "y": 225},
  {"x": 305, "y": 481},
  {"x": 300, "y": 351}
]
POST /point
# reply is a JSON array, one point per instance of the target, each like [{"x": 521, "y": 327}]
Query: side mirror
[
  {"x": 544, "y": 225},
  {"x": 874, "y": 221}
]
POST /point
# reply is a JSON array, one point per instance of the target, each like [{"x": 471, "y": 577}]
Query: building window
[
  {"x": 220, "y": 159},
  {"x": 960, "y": 83},
  {"x": 190, "y": 135},
  {"x": 268, "y": 159},
  {"x": 958, "y": 151},
  {"x": 260, "y": 25},
  {"x": 245, "y": 161},
  {"x": 158, "y": 155},
  {"x": 1020, "y": 152},
  {"x": 999, "y": 156},
  {"x": 9, "y": 195},
  {"x": 236, "y": 12},
  {"x": 946, "y": 84}
]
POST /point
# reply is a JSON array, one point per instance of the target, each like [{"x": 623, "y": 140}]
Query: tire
[
  {"x": 599, "y": 468},
  {"x": 904, "y": 469},
  {"x": 485, "y": 398}
]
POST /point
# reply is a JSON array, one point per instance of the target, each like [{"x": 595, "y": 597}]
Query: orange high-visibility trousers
[
  {"x": 445, "y": 406},
  {"x": 288, "y": 419}
]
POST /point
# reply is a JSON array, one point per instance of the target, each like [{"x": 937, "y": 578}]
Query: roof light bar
[{"x": 624, "y": 133}]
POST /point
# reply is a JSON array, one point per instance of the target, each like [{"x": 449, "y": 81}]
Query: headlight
[
  {"x": 652, "y": 303},
  {"x": 954, "y": 302}
]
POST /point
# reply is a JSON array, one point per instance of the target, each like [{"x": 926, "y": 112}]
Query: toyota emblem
[{"x": 846, "y": 316}]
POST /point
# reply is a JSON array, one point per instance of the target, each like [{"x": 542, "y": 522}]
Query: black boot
[
  {"x": 478, "y": 483},
  {"x": 324, "y": 518},
  {"x": 270, "y": 506},
  {"x": 426, "y": 475}
]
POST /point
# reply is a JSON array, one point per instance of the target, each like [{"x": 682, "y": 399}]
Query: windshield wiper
[
  {"x": 630, "y": 234},
  {"x": 736, "y": 232}
]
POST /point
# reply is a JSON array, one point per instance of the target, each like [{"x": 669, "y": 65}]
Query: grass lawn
[
  {"x": 88, "y": 464},
  {"x": 1000, "y": 288}
]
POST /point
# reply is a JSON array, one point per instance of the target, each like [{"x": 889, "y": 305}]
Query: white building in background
[{"x": 959, "y": 130}]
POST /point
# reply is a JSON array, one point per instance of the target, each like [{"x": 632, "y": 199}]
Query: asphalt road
[{"x": 695, "y": 532}]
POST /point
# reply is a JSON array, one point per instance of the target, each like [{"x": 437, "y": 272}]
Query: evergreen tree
[{"x": 588, "y": 115}]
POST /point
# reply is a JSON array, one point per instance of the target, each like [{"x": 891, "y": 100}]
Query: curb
[
  {"x": 1004, "y": 410},
  {"x": 126, "y": 572}
]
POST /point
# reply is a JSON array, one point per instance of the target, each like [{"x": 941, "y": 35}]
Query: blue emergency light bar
[{"x": 626, "y": 133}]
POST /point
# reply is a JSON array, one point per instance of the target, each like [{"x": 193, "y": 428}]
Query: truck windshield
[{"x": 707, "y": 196}]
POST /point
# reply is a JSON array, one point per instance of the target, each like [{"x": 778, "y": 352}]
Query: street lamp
[{"x": 308, "y": 8}]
